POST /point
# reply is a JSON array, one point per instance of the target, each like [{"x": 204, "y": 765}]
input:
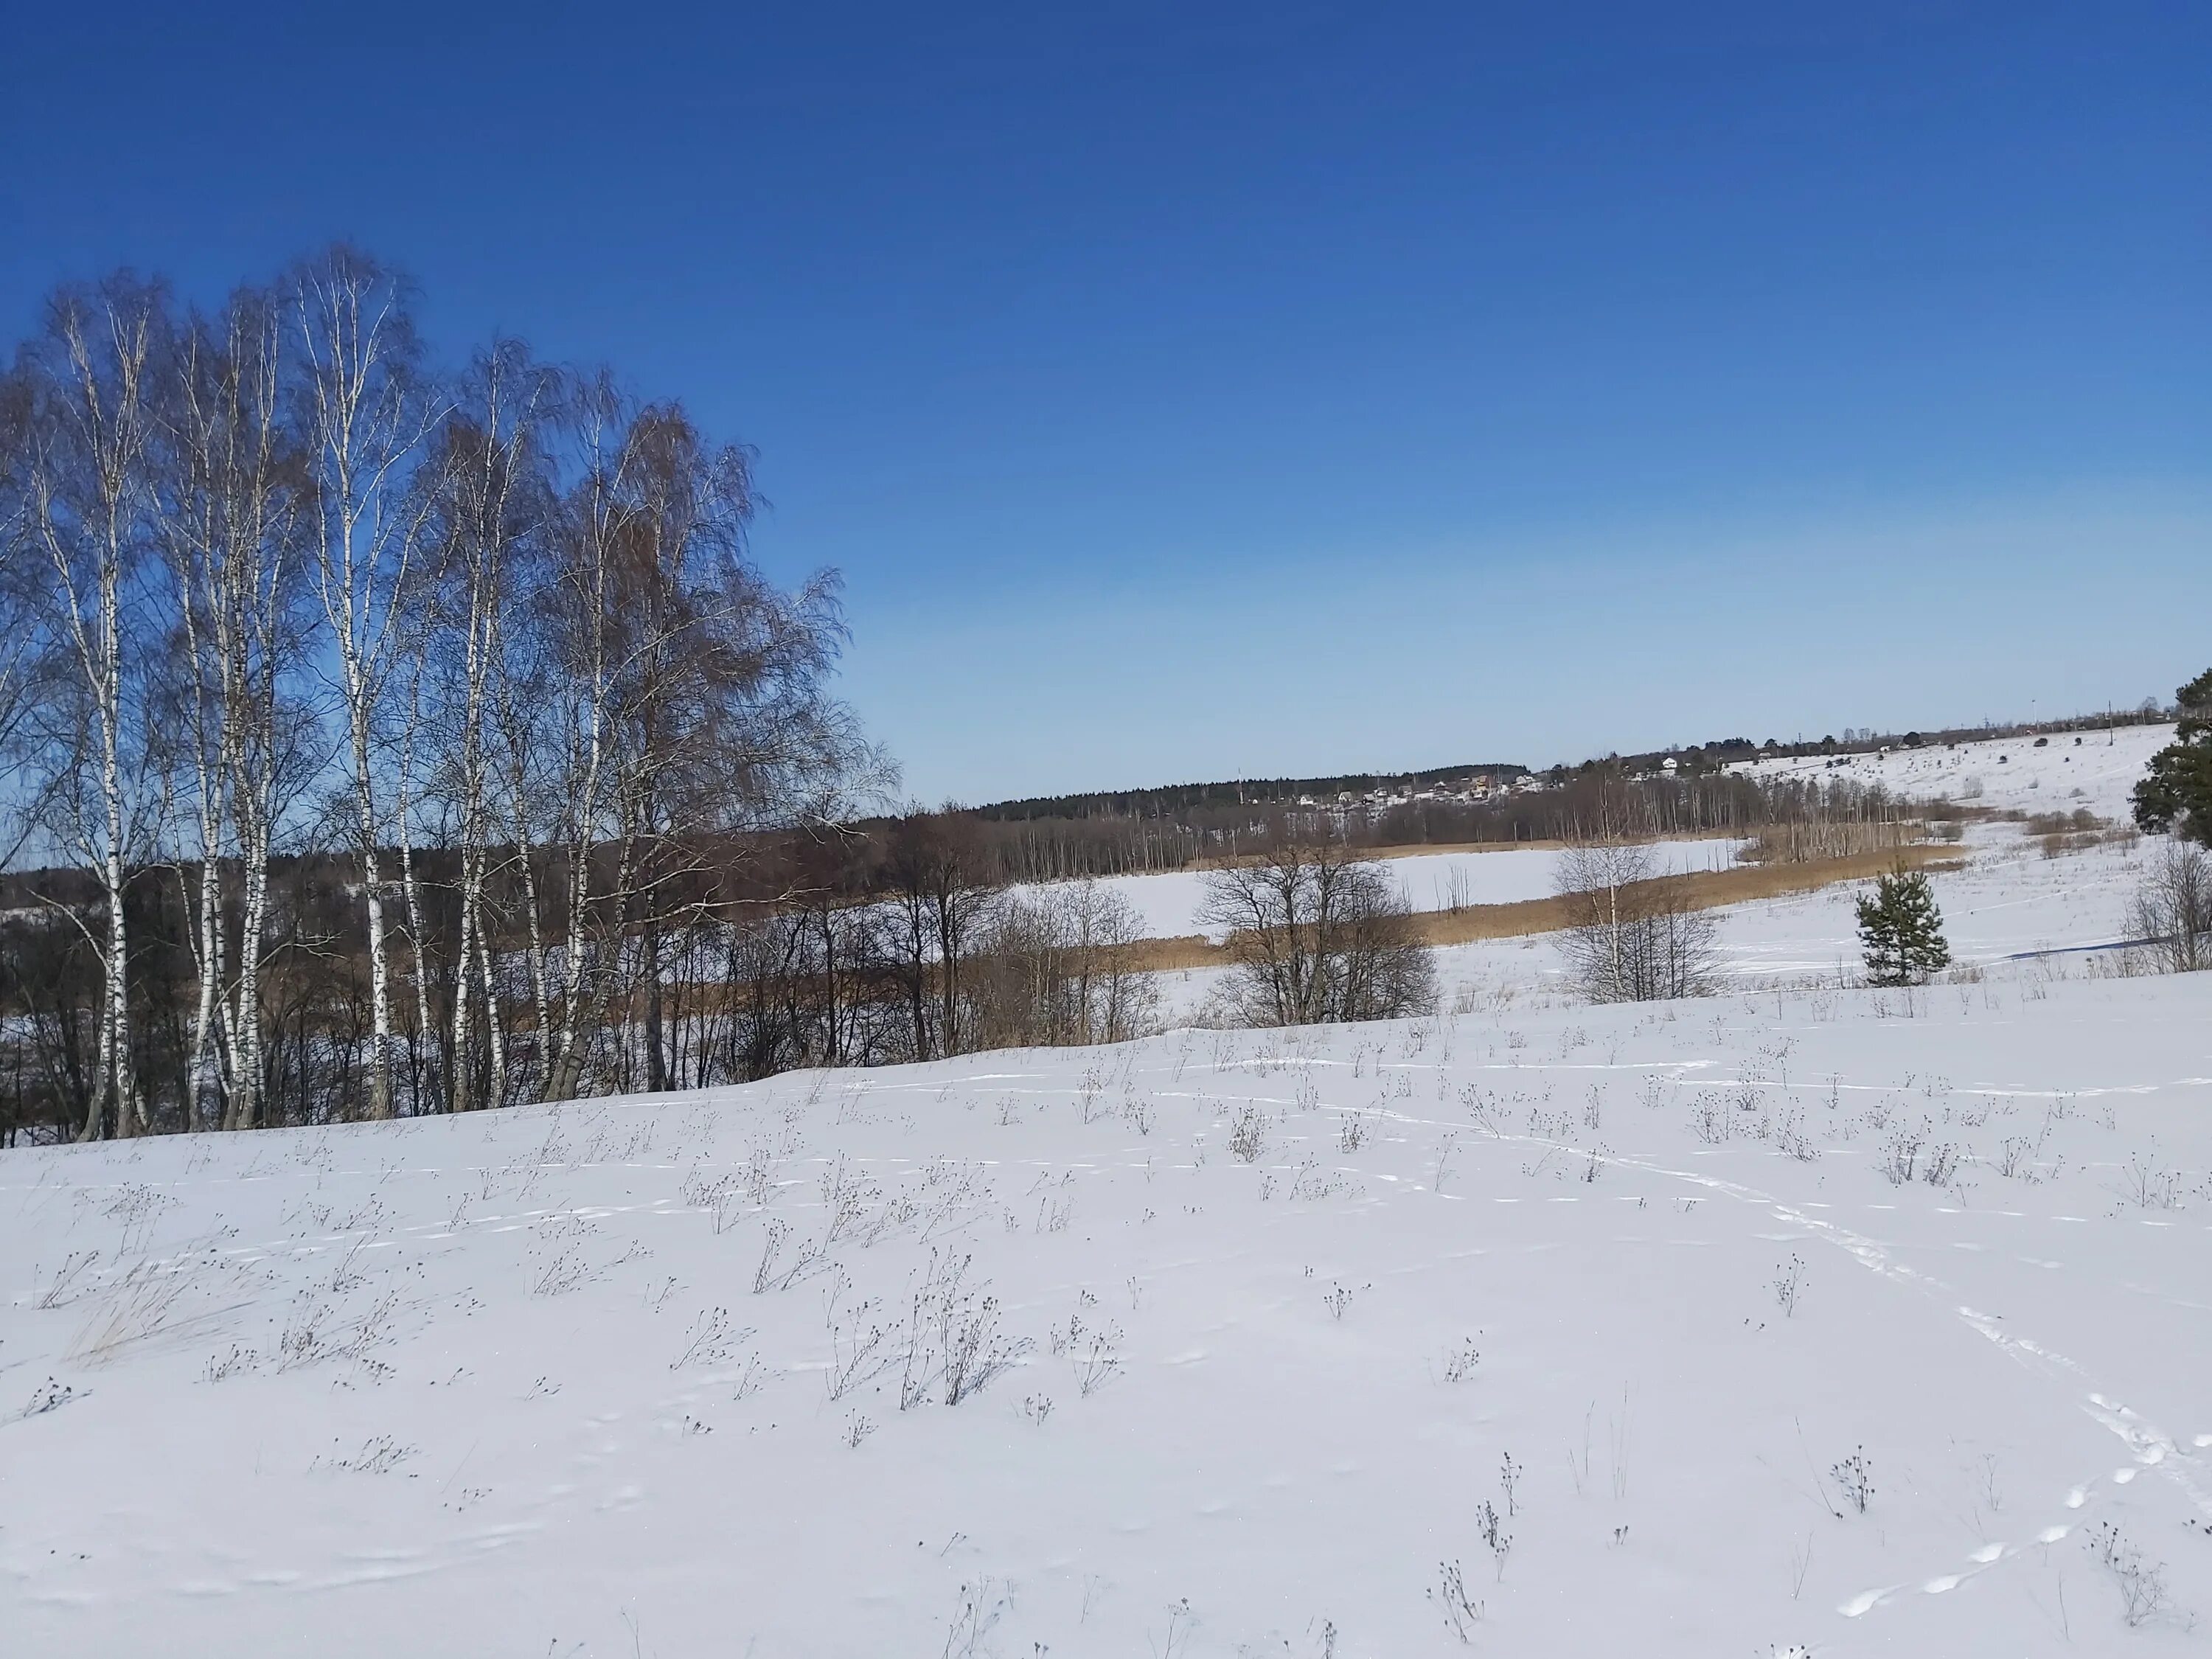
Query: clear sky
[{"x": 1202, "y": 390}]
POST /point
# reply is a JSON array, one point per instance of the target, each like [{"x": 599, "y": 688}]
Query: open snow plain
[
  {"x": 1169, "y": 901},
  {"x": 1243, "y": 1328}
]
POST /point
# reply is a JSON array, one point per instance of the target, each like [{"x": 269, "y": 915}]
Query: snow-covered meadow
[
  {"x": 2095, "y": 770},
  {"x": 2011, "y": 775},
  {"x": 2008, "y": 904},
  {"x": 1799, "y": 1320},
  {"x": 2008, "y": 901},
  {"x": 1246, "y": 1328},
  {"x": 1168, "y": 903}
]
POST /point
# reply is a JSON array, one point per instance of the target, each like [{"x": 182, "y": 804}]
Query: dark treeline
[
  {"x": 1183, "y": 826},
  {"x": 1182, "y": 797},
  {"x": 1044, "y": 848},
  {"x": 819, "y": 945}
]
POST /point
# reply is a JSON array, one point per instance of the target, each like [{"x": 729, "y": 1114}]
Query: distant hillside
[
  {"x": 1480, "y": 778},
  {"x": 1249, "y": 792}
]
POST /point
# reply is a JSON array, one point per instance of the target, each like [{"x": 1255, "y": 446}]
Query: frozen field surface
[{"x": 1244, "y": 1328}]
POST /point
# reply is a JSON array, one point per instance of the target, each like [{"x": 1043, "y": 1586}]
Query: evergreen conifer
[
  {"x": 1902, "y": 930},
  {"x": 2177, "y": 793}
]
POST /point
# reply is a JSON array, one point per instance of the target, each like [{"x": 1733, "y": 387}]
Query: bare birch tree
[
  {"x": 366, "y": 411},
  {"x": 231, "y": 531},
  {"x": 24, "y": 661},
  {"x": 1057, "y": 967},
  {"x": 1634, "y": 933},
  {"x": 497, "y": 645},
  {"x": 491, "y": 499},
  {"x": 83, "y": 479}
]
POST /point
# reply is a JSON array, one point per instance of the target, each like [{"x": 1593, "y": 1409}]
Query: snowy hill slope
[
  {"x": 588, "y": 1380},
  {"x": 2099, "y": 771}
]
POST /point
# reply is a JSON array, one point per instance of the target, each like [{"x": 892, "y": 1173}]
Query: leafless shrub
[
  {"x": 1459, "y": 1362},
  {"x": 1495, "y": 1537},
  {"x": 49, "y": 1396},
  {"x": 1058, "y": 967},
  {"x": 134, "y": 1203},
  {"x": 975, "y": 1352},
  {"x": 2140, "y": 1581},
  {"x": 757, "y": 1179},
  {"x": 2172, "y": 910},
  {"x": 981, "y": 1607},
  {"x": 560, "y": 1272},
  {"x": 379, "y": 1455},
  {"x": 1096, "y": 1362},
  {"x": 1449, "y": 1596},
  {"x": 314, "y": 1333},
  {"x": 2015, "y": 1156},
  {"x": 1248, "y": 1135},
  {"x": 1789, "y": 1281},
  {"x": 953, "y": 1336},
  {"x": 1634, "y": 934},
  {"x": 773, "y": 1273},
  {"x": 721, "y": 1197},
  {"x": 1854, "y": 1478},
  {"x": 1789, "y": 1136},
  {"x": 859, "y": 1350},
  {"x": 222, "y": 1367},
  {"x": 303, "y": 1340},
  {"x": 63, "y": 1288},
  {"x": 1482, "y": 1106},
  {"x": 348, "y": 1275},
  {"x": 713, "y": 1339},
  {"x": 2148, "y": 1185},
  {"x": 846, "y": 1195},
  {"x": 1316, "y": 935}
]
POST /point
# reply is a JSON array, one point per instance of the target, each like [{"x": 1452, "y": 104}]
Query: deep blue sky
[{"x": 1188, "y": 390}]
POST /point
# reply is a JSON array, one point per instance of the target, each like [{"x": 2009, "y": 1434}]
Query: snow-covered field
[
  {"x": 1797, "y": 1321},
  {"x": 2095, "y": 770},
  {"x": 2098, "y": 773},
  {"x": 2009, "y": 902},
  {"x": 1169, "y": 901},
  {"x": 588, "y": 1379}
]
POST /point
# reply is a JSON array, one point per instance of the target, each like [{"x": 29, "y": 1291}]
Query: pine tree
[
  {"x": 1902, "y": 930},
  {"x": 2177, "y": 793}
]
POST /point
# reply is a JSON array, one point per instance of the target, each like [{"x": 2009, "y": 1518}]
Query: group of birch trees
[{"x": 448, "y": 696}]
